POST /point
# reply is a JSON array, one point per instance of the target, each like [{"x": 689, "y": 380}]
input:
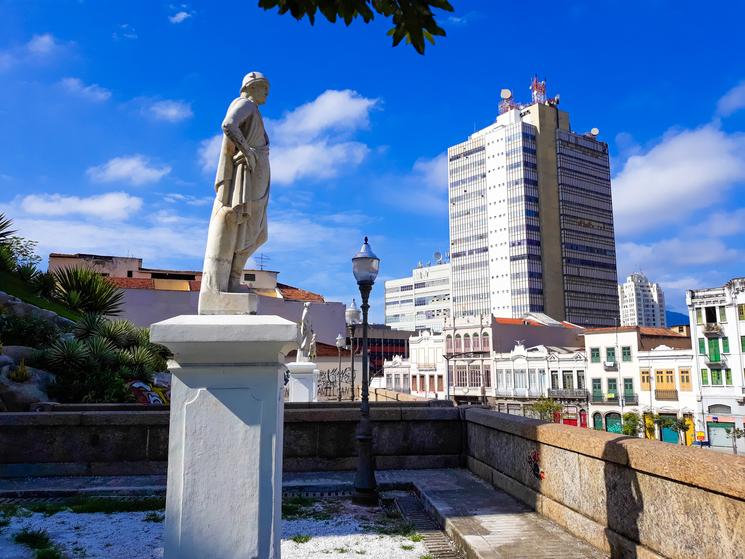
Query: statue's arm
[{"x": 238, "y": 112}]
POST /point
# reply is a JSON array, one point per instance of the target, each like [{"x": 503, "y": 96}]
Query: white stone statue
[
  {"x": 305, "y": 336},
  {"x": 312, "y": 351},
  {"x": 238, "y": 225}
]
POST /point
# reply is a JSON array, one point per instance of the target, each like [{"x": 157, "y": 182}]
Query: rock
[
  {"x": 18, "y": 352},
  {"x": 67, "y": 336},
  {"x": 19, "y": 396},
  {"x": 44, "y": 314},
  {"x": 64, "y": 323},
  {"x": 6, "y": 360}
]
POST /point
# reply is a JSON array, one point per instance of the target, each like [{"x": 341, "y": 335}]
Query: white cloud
[
  {"x": 174, "y": 198},
  {"x": 732, "y": 101},
  {"x": 42, "y": 44},
  {"x": 112, "y": 205},
  {"x": 332, "y": 110},
  {"x": 170, "y": 110},
  {"x": 93, "y": 92},
  {"x": 722, "y": 224},
  {"x": 318, "y": 160},
  {"x": 675, "y": 252},
  {"x": 179, "y": 17},
  {"x": 134, "y": 169},
  {"x": 426, "y": 183},
  {"x": 688, "y": 170},
  {"x": 125, "y": 31},
  {"x": 209, "y": 153},
  {"x": 312, "y": 141}
]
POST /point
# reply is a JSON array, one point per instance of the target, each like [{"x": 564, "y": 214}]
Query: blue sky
[{"x": 109, "y": 113}]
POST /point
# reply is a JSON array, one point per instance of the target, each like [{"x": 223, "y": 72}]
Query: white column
[{"x": 225, "y": 442}]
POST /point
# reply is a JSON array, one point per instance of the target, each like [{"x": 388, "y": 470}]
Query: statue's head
[{"x": 256, "y": 86}]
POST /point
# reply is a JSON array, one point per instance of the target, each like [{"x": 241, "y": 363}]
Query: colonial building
[
  {"x": 642, "y": 370},
  {"x": 717, "y": 318}
]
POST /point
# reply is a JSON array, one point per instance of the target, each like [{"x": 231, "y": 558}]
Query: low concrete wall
[
  {"x": 384, "y": 395},
  {"x": 315, "y": 438},
  {"x": 631, "y": 497}
]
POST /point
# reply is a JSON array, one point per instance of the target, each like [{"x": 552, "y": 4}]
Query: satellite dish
[
  {"x": 505, "y": 94},
  {"x": 594, "y": 131},
  {"x": 438, "y": 256}
]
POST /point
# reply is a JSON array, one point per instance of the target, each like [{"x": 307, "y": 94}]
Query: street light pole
[
  {"x": 352, "y": 316},
  {"x": 339, "y": 345},
  {"x": 365, "y": 266}
]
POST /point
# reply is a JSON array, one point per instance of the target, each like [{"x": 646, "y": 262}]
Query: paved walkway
[{"x": 486, "y": 522}]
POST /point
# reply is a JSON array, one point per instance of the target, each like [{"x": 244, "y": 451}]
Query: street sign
[
  {"x": 715, "y": 419},
  {"x": 700, "y": 435}
]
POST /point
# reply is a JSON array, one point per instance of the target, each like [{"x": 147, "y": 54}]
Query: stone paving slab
[{"x": 486, "y": 522}]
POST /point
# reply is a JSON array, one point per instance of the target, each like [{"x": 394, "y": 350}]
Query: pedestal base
[
  {"x": 303, "y": 385},
  {"x": 224, "y": 489},
  {"x": 227, "y": 303}
]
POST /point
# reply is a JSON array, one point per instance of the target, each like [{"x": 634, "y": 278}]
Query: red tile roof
[
  {"x": 324, "y": 350},
  {"x": 132, "y": 283},
  {"x": 296, "y": 294},
  {"x": 643, "y": 330}
]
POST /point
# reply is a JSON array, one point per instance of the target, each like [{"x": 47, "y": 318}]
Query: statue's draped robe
[{"x": 238, "y": 225}]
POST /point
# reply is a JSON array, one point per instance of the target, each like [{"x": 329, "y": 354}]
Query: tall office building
[
  {"x": 531, "y": 218},
  {"x": 420, "y": 301},
  {"x": 642, "y": 302}
]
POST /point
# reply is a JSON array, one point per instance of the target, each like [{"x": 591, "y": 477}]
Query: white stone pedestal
[
  {"x": 225, "y": 442},
  {"x": 303, "y": 385}
]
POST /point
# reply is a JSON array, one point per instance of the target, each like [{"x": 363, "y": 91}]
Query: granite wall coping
[{"x": 708, "y": 470}]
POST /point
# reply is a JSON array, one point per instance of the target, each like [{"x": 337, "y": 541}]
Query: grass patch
[
  {"x": 426, "y": 557},
  {"x": 301, "y": 538},
  {"x": 341, "y": 549},
  {"x": 416, "y": 537},
  {"x": 154, "y": 517},
  {"x": 296, "y": 507},
  {"x": 407, "y": 547},
  {"x": 48, "y": 553},
  {"x": 110, "y": 505},
  {"x": 35, "y": 539},
  {"x": 13, "y": 285},
  {"x": 395, "y": 528},
  {"x": 47, "y": 509}
]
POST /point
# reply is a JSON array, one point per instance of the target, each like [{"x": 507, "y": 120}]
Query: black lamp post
[
  {"x": 365, "y": 267},
  {"x": 352, "y": 316},
  {"x": 339, "y": 347}
]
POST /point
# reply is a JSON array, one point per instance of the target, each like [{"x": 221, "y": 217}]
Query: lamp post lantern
[
  {"x": 339, "y": 347},
  {"x": 352, "y": 317},
  {"x": 365, "y": 267}
]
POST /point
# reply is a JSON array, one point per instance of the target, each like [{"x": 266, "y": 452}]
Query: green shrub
[
  {"x": 20, "y": 373},
  {"x": 121, "y": 333},
  {"x": 89, "y": 325},
  {"x": 7, "y": 260},
  {"x": 27, "y": 272},
  {"x": 44, "y": 284},
  {"x": 27, "y": 330},
  {"x": 84, "y": 290},
  {"x": 35, "y": 539},
  {"x": 67, "y": 355}
]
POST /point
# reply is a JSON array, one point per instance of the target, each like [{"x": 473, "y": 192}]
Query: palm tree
[{"x": 5, "y": 229}]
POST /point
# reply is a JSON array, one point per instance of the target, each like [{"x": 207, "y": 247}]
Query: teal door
[
  {"x": 597, "y": 422},
  {"x": 597, "y": 391},
  {"x": 669, "y": 435},
  {"x": 613, "y": 423}
]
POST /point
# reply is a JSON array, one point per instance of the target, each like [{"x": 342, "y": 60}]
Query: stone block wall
[
  {"x": 96, "y": 442},
  {"x": 633, "y": 498}
]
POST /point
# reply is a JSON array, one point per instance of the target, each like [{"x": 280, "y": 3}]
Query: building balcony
[
  {"x": 713, "y": 330},
  {"x": 610, "y": 365},
  {"x": 664, "y": 394},
  {"x": 629, "y": 399},
  {"x": 716, "y": 362},
  {"x": 567, "y": 394}
]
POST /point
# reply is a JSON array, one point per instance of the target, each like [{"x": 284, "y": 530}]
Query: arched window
[
  {"x": 449, "y": 344},
  {"x": 466, "y": 343},
  {"x": 485, "y": 345},
  {"x": 458, "y": 344},
  {"x": 720, "y": 408},
  {"x": 476, "y": 342},
  {"x": 597, "y": 421},
  {"x": 613, "y": 422}
]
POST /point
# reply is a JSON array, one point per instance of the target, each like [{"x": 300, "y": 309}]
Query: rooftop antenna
[
  {"x": 538, "y": 90},
  {"x": 507, "y": 101},
  {"x": 262, "y": 260},
  {"x": 595, "y": 131}
]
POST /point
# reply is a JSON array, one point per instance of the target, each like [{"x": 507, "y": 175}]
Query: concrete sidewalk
[{"x": 485, "y": 522}]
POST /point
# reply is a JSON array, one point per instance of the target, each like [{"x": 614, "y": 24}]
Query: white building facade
[
  {"x": 642, "y": 303},
  {"x": 717, "y": 318},
  {"x": 420, "y": 301},
  {"x": 531, "y": 220},
  {"x": 647, "y": 371}
]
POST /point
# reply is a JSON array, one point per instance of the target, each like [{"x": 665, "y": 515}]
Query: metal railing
[
  {"x": 629, "y": 398},
  {"x": 567, "y": 393},
  {"x": 712, "y": 329}
]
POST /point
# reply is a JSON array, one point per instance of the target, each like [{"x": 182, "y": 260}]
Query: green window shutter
[
  {"x": 722, "y": 314},
  {"x": 728, "y": 377},
  {"x": 610, "y": 354},
  {"x": 741, "y": 312},
  {"x": 702, "y": 346},
  {"x": 742, "y": 343},
  {"x": 626, "y": 353},
  {"x": 716, "y": 376},
  {"x": 725, "y": 345},
  {"x": 595, "y": 354},
  {"x": 704, "y": 376},
  {"x": 714, "y": 354},
  {"x": 699, "y": 318}
]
